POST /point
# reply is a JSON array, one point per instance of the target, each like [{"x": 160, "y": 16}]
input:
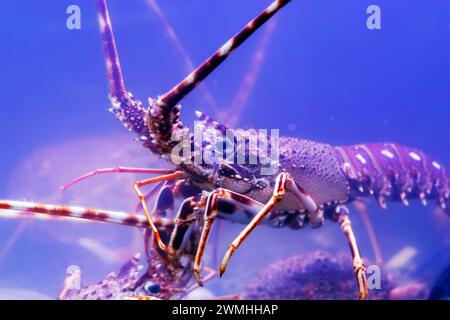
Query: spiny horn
[{"x": 127, "y": 109}]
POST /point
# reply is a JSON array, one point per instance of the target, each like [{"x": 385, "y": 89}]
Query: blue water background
[{"x": 326, "y": 77}]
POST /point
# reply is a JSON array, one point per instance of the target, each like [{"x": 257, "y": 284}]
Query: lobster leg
[
  {"x": 164, "y": 200},
  {"x": 284, "y": 182},
  {"x": 210, "y": 215},
  {"x": 155, "y": 190},
  {"x": 189, "y": 212},
  {"x": 171, "y": 190},
  {"x": 208, "y": 221},
  {"x": 358, "y": 264},
  {"x": 116, "y": 170},
  {"x": 137, "y": 187},
  {"x": 183, "y": 220},
  {"x": 211, "y": 274}
]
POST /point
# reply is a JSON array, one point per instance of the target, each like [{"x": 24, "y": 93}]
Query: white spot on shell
[
  {"x": 387, "y": 153},
  {"x": 415, "y": 156},
  {"x": 436, "y": 165},
  {"x": 361, "y": 158}
]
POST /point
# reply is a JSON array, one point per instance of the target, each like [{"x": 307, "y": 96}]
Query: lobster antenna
[
  {"x": 116, "y": 83},
  {"x": 188, "y": 64},
  {"x": 248, "y": 81},
  {"x": 172, "y": 97},
  {"x": 71, "y": 212}
]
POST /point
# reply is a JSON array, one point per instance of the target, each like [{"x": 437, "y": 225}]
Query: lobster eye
[{"x": 152, "y": 287}]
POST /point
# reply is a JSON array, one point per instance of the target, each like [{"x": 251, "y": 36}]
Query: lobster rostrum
[{"x": 311, "y": 182}]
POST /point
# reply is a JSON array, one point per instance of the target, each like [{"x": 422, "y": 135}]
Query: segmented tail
[
  {"x": 72, "y": 212},
  {"x": 392, "y": 171}
]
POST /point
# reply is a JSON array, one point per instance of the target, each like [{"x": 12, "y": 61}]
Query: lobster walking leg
[
  {"x": 183, "y": 220},
  {"x": 358, "y": 264},
  {"x": 116, "y": 170},
  {"x": 156, "y": 189},
  {"x": 283, "y": 183},
  {"x": 137, "y": 187},
  {"x": 211, "y": 274},
  {"x": 208, "y": 221},
  {"x": 211, "y": 208}
]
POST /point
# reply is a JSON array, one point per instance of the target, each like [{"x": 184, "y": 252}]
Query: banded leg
[
  {"x": 171, "y": 190},
  {"x": 115, "y": 170},
  {"x": 283, "y": 183},
  {"x": 358, "y": 265},
  {"x": 137, "y": 187},
  {"x": 164, "y": 200},
  {"x": 185, "y": 217},
  {"x": 186, "y": 214},
  {"x": 155, "y": 190},
  {"x": 211, "y": 274},
  {"x": 212, "y": 207},
  {"x": 210, "y": 216}
]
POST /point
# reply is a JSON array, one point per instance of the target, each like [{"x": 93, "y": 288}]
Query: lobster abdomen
[{"x": 394, "y": 172}]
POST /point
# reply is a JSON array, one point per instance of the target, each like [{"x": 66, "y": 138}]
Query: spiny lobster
[{"x": 312, "y": 181}]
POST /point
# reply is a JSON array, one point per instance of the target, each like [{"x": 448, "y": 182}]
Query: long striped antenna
[
  {"x": 233, "y": 114},
  {"x": 177, "y": 93},
  {"x": 7, "y": 207},
  {"x": 188, "y": 63}
]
